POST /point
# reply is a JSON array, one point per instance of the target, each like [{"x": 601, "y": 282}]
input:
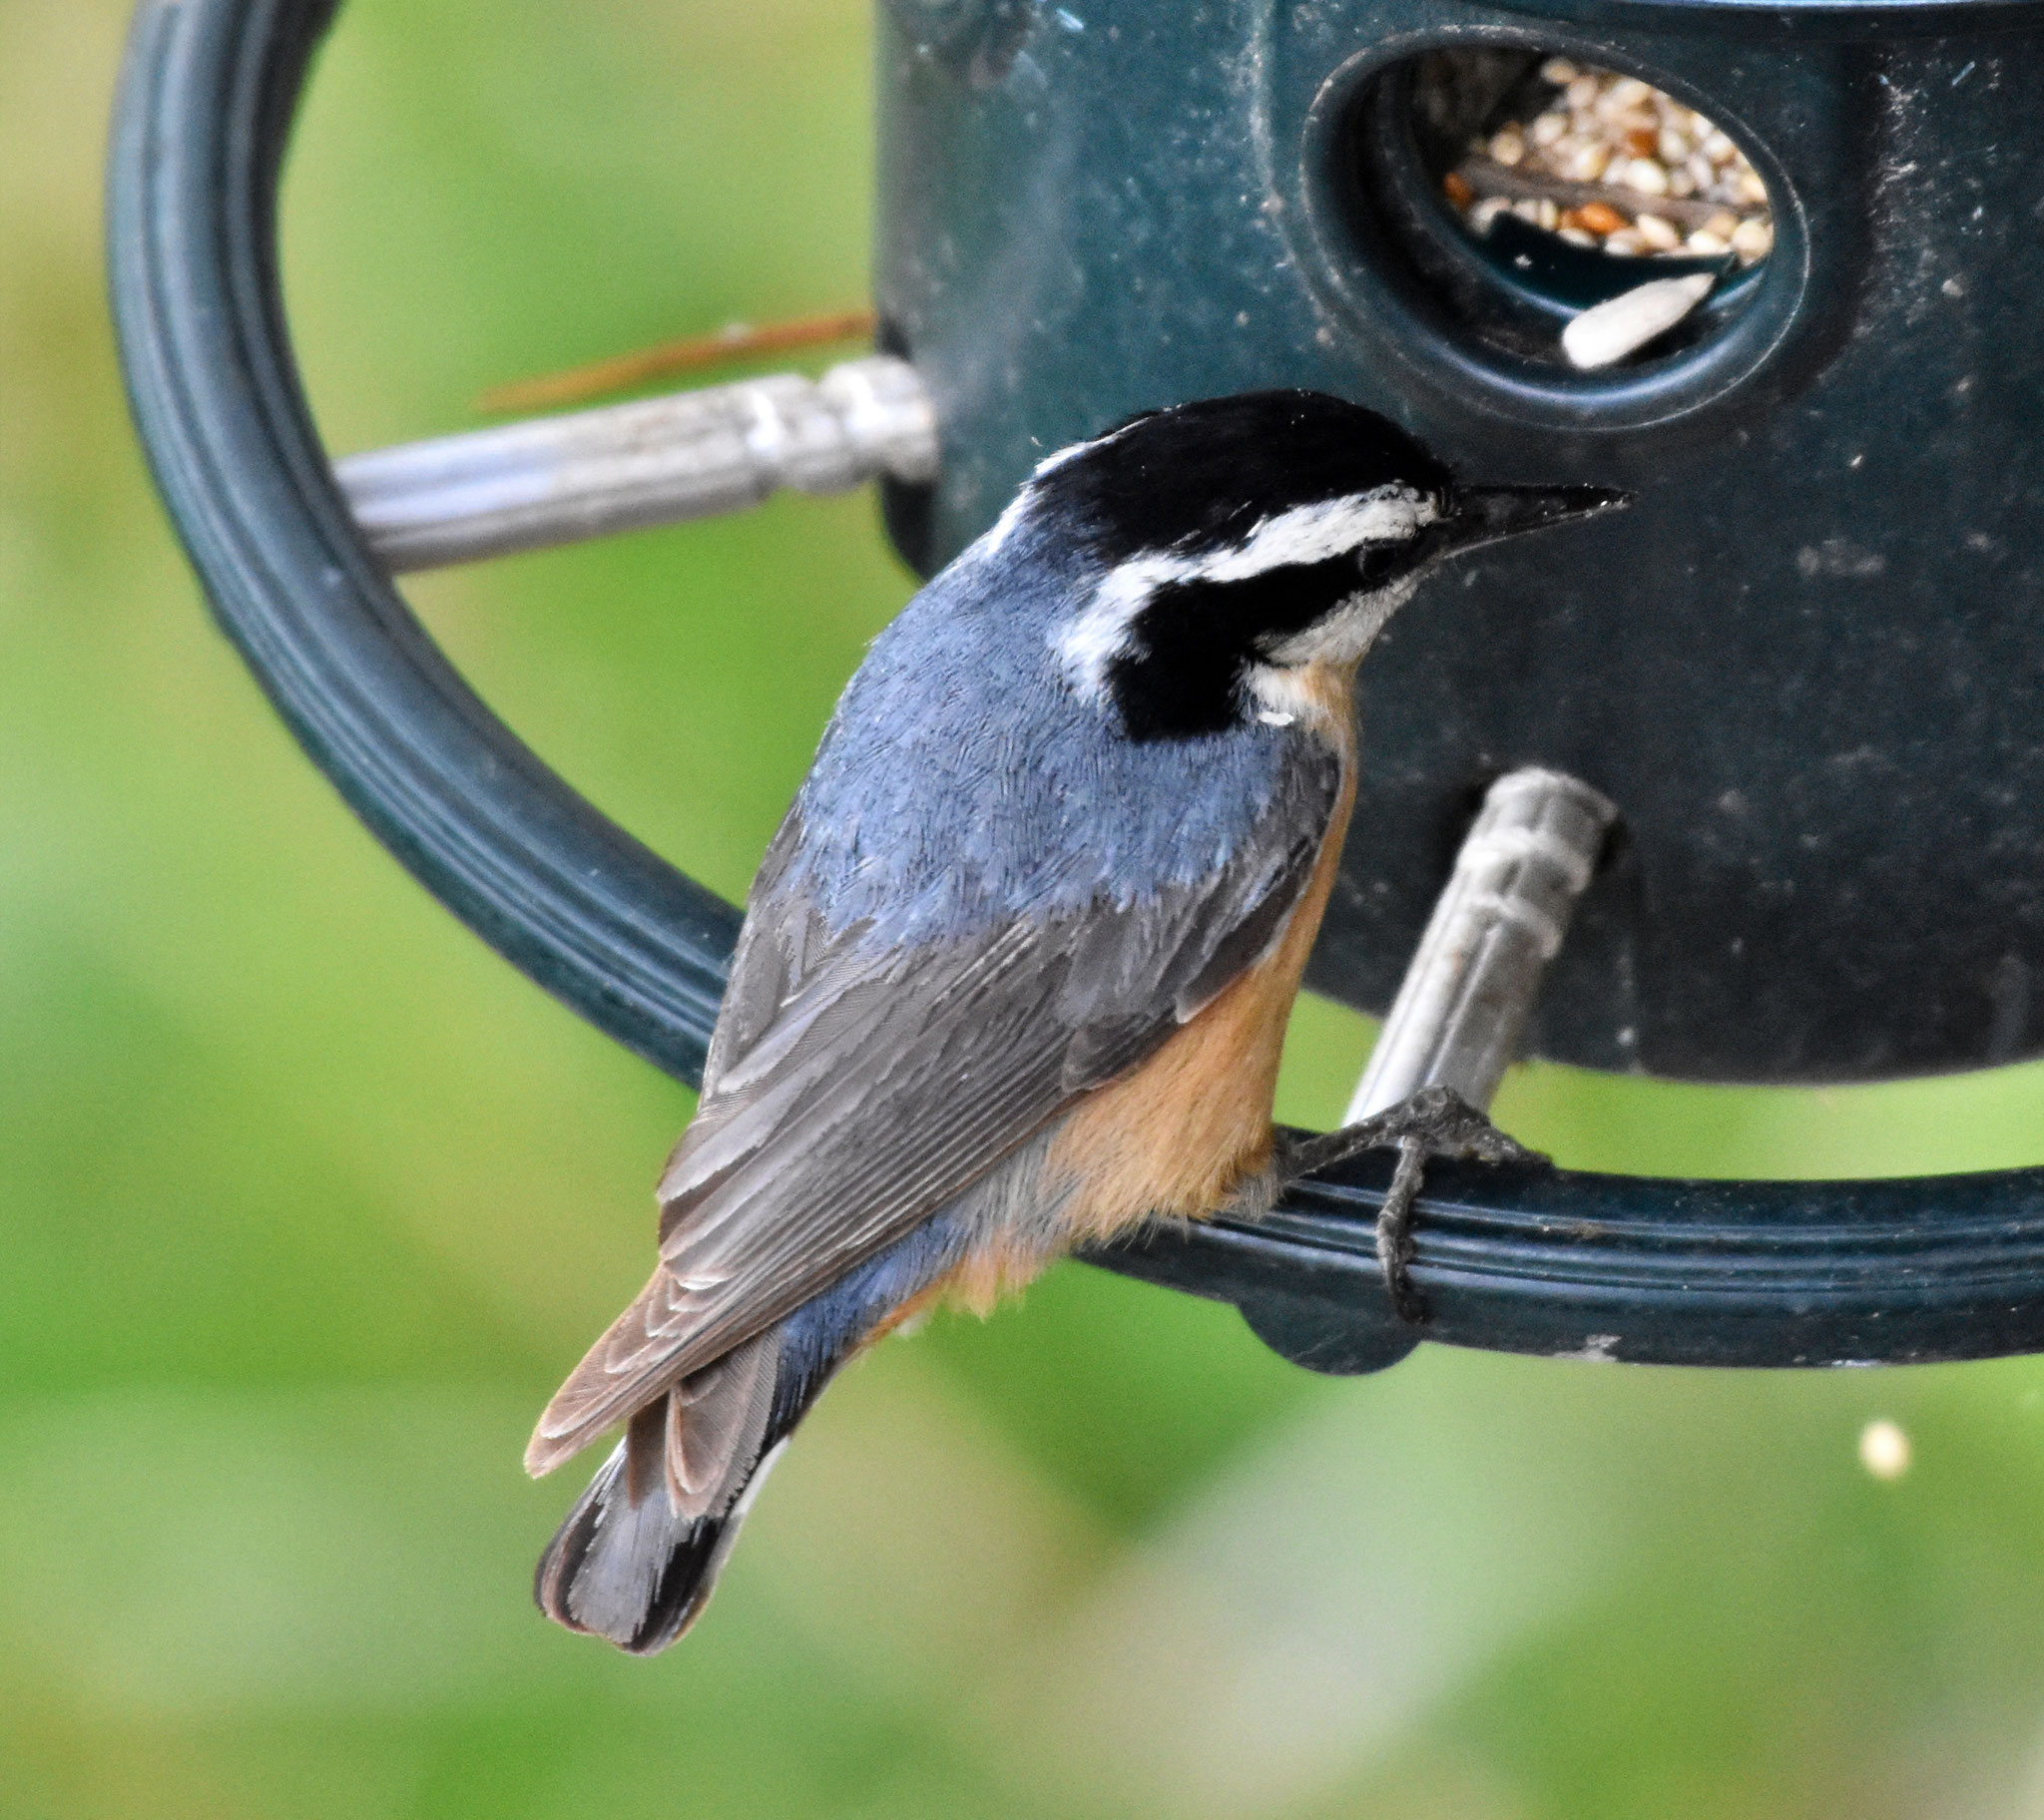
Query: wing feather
[{"x": 853, "y": 1089}]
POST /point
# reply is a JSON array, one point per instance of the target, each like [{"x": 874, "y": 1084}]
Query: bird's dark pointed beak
[{"x": 1485, "y": 515}]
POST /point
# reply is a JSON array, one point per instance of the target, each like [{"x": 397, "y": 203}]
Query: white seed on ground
[
  {"x": 1583, "y": 93},
  {"x": 1508, "y": 146},
  {"x": 1559, "y": 71},
  {"x": 1717, "y": 147},
  {"x": 1625, "y": 244},
  {"x": 1751, "y": 188},
  {"x": 1487, "y": 210},
  {"x": 1884, "y": 1449},
  {"x": 1549, "y": 128},
  {"x": 1707, "y": 243},
  {"x": 1658, "y": 231},
  {"x": 1577, "y": 236},
  {"x": 1724, "y": 225},
  {"x": 1674, "y": 145},
  {"x": 1679, "y": 182},
  {"x": 1631, "y": 92},
  {"x": 1527, "y": 209},
  {"x": 1607, "y": 332}
]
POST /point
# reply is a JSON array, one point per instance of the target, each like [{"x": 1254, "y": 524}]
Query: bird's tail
[{"x": 639, "y": 1554}]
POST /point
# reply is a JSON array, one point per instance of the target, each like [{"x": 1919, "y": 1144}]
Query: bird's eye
[{"x": 1379, "y": 563}]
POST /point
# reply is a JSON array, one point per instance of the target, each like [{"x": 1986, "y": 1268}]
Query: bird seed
[{"x": 1620, "y": 166}]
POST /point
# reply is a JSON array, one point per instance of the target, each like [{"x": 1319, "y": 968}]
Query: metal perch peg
[
  {"x": 1500, "y": 920},
  {"x": 557, "y": 480}
]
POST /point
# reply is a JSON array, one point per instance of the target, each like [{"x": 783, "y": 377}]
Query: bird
[{"x": 1015, "y": 971}]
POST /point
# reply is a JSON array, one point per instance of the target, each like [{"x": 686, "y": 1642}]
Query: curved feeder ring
[{"x": 1518, "y": 1259}]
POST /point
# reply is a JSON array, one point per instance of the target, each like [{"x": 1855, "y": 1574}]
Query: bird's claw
[
  {"x": 1436, "y": 1122},
  {"x": 1436, "y": 1117}
]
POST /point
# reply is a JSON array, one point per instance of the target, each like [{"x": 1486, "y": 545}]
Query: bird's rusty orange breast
[{"x": 1180, "y": 1131}]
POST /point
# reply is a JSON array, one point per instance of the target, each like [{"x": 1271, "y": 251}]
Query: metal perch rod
[
  {"x": 1496, "y": 925},
  {"x": 584, "y": 474}
]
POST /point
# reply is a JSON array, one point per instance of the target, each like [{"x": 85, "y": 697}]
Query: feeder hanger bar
[{"x": 584, "y": 474}]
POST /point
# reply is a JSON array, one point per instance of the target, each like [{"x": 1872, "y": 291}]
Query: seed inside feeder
[
  {"x": 1615, "y": 160},
  {"x": 1608, "y": 331}
]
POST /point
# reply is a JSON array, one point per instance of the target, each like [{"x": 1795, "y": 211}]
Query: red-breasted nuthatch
[{"x": 1017, "y": 966}]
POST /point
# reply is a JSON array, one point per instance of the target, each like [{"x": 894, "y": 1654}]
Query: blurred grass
[{"x": 305, "y": 1201}]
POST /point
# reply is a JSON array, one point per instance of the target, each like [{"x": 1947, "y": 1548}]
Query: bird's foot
[
  {"x": 1436, "y": 1122},
  {"x": 1437, "y": 1117}
]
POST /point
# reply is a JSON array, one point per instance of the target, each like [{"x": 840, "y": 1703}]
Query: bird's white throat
[{"x": 1346, "y": 635}]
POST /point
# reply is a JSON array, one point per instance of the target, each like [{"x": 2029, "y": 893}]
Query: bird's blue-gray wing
[{"x": 853, "y": 1090}]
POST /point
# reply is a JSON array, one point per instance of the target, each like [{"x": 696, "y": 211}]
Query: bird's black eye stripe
[
  {"x": 1180, "y": 673},
  {"x": 1377, "y": 563}
]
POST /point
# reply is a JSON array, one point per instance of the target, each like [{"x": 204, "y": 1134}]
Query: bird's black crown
[{"x": 1203, "y": 475}]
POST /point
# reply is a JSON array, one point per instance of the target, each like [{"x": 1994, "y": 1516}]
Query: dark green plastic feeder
[{"x": 1806, "y": 664}]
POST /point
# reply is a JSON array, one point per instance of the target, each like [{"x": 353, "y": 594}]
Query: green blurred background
[{"x": 307, "y": 1201}]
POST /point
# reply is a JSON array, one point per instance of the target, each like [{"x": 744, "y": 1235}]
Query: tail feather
[
  {"x": 717, "y": 1427},
  {"x": 640, "y": 1552},
  {"x": 638, "y": 1557}
]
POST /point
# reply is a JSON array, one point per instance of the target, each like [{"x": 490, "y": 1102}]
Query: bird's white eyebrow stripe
[
  {"x": 1312, "y": 534},
  {"x": 1306, "y": 534}
]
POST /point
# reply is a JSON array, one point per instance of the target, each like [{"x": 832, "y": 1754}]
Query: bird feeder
[{"x": 1765, "y": 745}]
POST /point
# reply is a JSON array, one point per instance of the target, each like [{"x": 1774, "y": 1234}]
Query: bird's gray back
[{"x": 963, "y": 782}]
